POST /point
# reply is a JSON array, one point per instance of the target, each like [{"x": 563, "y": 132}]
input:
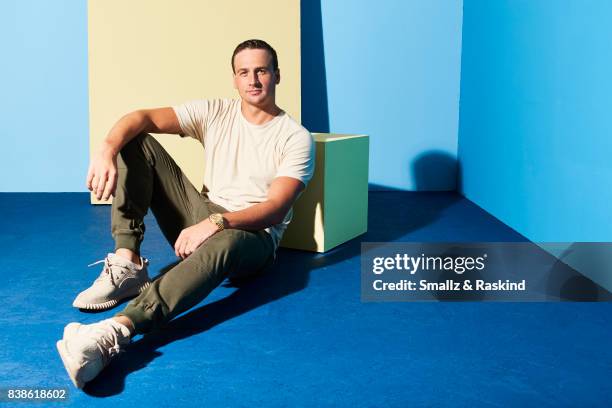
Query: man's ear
[
  {"x": 277, "y": 76},
  {"x": 234, "y": 81}
]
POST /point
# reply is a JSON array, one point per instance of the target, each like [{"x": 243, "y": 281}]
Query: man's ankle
[
  {"x": 124, "y": 320},
  {"x": 129, "y": 255}
]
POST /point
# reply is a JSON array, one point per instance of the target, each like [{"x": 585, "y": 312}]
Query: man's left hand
[{"x": 192, "y": 237}]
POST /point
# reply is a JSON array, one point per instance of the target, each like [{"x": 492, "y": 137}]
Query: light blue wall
[
  {"x": 392, "y": 70},
  {"x": 43, "y": 103},
  {"x": 535, "y": 141}
]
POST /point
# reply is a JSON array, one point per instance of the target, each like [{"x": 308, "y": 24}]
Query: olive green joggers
[{"x": 148, "y": 178}]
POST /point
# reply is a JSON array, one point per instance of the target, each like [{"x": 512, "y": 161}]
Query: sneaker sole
[
  {"x": 71, "y": 367},
  {"x": 108, "y": 304}
]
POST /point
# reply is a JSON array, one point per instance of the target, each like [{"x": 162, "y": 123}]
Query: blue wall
[
  {"x": 392, "y": 71},
  {"x": 389, "y": 69},
  {"x": 44, "y": 105},
  {"x": 535, "y": 141}
]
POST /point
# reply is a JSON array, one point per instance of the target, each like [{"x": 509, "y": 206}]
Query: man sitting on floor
[{"x": 257, "y": 162}]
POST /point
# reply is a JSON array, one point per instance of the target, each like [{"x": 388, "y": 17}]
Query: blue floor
[{"x": 299, "y": 336}]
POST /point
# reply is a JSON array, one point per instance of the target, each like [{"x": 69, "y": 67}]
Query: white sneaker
[
  {"x": 87, "y": 348},
  {"x": 118, "y": 280}
]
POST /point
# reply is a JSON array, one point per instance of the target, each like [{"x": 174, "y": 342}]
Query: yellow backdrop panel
[{"x": 153, "y": 53}]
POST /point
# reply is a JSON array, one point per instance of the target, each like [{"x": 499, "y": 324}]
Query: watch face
[{"x": 217, "y": 219}]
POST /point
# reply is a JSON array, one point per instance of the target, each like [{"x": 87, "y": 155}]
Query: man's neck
[{"x": 258, "y": 115}]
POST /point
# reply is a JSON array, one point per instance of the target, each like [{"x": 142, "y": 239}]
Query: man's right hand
[{"x": 102, "y": 175}]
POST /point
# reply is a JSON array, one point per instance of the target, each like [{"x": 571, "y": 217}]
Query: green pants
[{"x": 149, "y": 178}]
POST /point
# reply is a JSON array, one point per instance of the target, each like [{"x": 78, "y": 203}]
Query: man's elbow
[
  {"x": 278, "y": 217},
  {"x": 280, "y": 212}
]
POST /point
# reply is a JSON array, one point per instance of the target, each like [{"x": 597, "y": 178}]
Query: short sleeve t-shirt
[{"x": 242, "y": 159}]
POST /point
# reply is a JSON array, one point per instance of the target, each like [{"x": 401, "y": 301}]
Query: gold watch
[{"x": 218, "y": 220}]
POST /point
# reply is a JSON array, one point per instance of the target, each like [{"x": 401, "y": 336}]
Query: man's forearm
[
  {"x": 256, "y": 217},
  {"x": 123, "y": 131}
]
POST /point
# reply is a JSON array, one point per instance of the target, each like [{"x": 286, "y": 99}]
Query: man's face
[{"x": 254, "y": 77}]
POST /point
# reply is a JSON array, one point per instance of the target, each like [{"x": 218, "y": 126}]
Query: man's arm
[
  {"x": 102, "y": 173},
  {"x": 281, "y": 196},
  {"x": 160, "y": 120}
]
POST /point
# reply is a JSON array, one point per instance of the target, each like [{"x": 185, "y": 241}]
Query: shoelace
[
  {"x": 106, "y": 271},
  {"x": 109, "y": 344}
]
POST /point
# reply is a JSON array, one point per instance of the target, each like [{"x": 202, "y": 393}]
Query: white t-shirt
[{"x": 241, "y": 159}]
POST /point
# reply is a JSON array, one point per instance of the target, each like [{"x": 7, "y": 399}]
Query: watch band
[{"x": 217, "y": 219}]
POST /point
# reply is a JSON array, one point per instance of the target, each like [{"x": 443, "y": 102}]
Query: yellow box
[{"x": 334, "y": 207}]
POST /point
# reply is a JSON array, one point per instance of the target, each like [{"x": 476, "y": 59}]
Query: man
[{"x": 257, "y": 162}]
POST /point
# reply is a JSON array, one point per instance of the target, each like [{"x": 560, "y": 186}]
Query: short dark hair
[{"x": 256, "y": 45}]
